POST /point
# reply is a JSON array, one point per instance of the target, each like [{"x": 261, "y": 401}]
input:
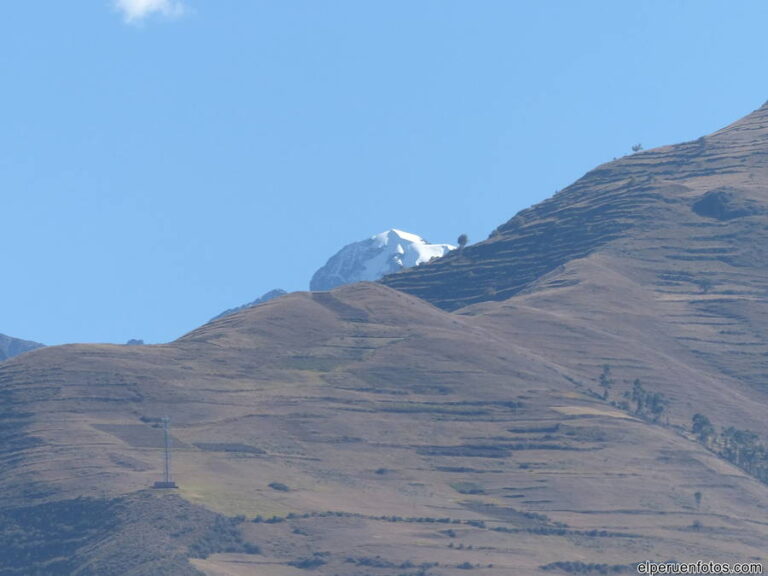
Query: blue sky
[{"x": 163, "y": 161}]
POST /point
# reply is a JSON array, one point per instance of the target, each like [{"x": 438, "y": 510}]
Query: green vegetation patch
[
  {"x": 466, "y": 451},
  {"x": 467, "y": 488},
  {"x": 228, "y": 447},
  {"x": 433, "y": 408}
]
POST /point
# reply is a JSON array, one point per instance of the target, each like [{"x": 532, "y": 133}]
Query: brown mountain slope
[
  {"x": 698, "y": 203},
  {"x": 428, "y": 437},
  {"x": 385, "y": 434},
  {"x": 664, "y": 250}
]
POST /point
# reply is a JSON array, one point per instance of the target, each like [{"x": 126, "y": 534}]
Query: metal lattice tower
[
  {"x": 167, "y": 481},
  {"x": 167, "y": 442}
]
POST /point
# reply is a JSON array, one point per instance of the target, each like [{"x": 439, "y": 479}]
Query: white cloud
[{"x": 134, "y": 11}]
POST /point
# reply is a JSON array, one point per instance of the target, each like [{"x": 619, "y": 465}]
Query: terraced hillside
[
  {"x": 707, "y": 197},
  {"x": 539, "y": 421},
  {"x": 366, "y": 432},
  {"x": 684, "y": 228}
]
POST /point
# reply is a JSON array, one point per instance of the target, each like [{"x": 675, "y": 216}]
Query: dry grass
[{"x": 375, "y": 405}]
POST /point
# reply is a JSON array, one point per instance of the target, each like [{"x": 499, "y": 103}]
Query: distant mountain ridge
[
  {"x": 263, "y": 298},
  {"x": 375, "y": 257},
  {"x": 367, "y": 260},
  {"x": 10, "y": 347}
]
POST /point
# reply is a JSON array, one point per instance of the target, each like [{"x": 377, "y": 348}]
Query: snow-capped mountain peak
[{"x": 374, "y": 257}]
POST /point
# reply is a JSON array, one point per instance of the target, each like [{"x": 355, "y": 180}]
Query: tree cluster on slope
[
  {"x": 649, "y": 405},
  {"x": 743, "y": 448},
  {"x": 639, "y": 401}
]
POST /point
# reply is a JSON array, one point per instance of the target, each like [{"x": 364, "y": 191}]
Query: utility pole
[{"x": 167, "y": 482}]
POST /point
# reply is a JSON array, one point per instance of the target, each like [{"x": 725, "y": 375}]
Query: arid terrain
[{"x": 521, "y": 406}]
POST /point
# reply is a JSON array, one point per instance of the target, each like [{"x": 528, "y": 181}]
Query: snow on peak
[{"x": 374, "y": 257}]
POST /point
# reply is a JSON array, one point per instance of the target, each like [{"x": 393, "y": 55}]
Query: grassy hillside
[
  {"x": 368, "y": 432},
  {"x": 526, "y": 409}
]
